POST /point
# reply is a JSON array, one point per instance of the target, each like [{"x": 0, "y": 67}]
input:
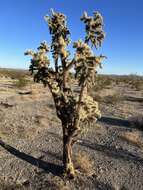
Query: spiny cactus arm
[
  {"x": 99, "y": 59},
  {"x": 39, "y": 67},
  {"x": 60, "y": 37},
  {"x": 29, "y": 52},
  {"x": 94, "y": 29},
  {"x": 70, "y": 64},
  {"x": 86, "y": 69}
]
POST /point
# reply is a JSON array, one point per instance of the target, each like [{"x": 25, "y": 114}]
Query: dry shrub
[
  {"x": 58, "y": 184},
  {"x": 109, "y": 99},
  {"x": 83, "y": 163},
  {"x": 136, "y": 82},
  {"x": 137, "y": 121},
  {"x": 112, "y": 99},
  {"x": 133, "y": 138},
  {"x": 102, "y": 82},
  {"x": 138, "y": 85},
  {"x": 21, "y": 82},
  {"x": 98, "y": 98}
]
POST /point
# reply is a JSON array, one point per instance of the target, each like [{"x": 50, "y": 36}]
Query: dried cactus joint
[{"x": 72, "y": 109}]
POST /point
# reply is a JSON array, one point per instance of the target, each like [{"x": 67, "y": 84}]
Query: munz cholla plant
[{"x": 73, "y": 109}]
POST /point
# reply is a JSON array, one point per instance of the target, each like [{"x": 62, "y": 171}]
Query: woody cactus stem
[
  {"x": 67, "y": 153},
  {"x": 72, "y": 109}
]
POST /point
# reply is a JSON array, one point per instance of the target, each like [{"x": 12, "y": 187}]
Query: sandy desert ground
[{"x": 108, "y": 157}]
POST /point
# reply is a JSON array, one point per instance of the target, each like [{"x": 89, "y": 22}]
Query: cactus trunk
[{"x": 67, "y": 153}]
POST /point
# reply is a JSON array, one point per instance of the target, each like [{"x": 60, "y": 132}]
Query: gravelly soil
[{"x": 31, "y": 144}]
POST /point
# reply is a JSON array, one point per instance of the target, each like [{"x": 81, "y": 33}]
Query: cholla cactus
[
  {"x": 94, "y": 28},
  {"x": 72, "y": 108}
]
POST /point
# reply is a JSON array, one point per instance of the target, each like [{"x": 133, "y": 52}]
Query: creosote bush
[
  {"x": 21, "y": 82},
  {"x": 72, "y": 109}
]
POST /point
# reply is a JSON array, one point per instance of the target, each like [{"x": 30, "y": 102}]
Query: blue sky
[{"x": 22, "y": 27}]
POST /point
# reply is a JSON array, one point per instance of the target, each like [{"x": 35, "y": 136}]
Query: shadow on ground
[
  {"x": 47, "y": 167},
  {"x": 51, "y": 154},
  {"x": 115, "y": 121},
  {"x": 113, "y": 152},
  {"x": 133, "y": 99},
  {"x": 110, "y": 151}
]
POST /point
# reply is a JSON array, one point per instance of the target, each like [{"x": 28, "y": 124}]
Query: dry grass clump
[
  {"x": 133, "y": 138},
  {"x": 137, "y": 121},
  {"x": 83, "y": 163}
]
